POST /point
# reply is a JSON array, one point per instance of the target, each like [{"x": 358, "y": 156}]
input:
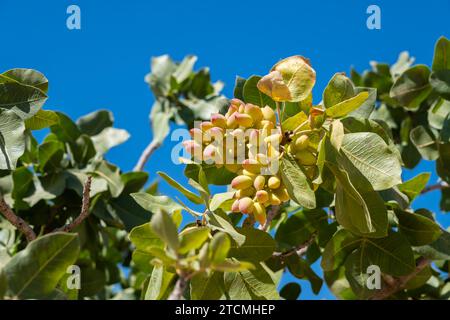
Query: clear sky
[{"x": 103, "y": 64}]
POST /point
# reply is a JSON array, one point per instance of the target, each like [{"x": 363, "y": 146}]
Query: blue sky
[{"x": 103, "y": 64}]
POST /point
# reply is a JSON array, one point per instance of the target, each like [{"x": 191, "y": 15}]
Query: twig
[
  {"x": 16, "y": 221},
  {"x": 272, "y": 213},
  {"x": 299, "y": 250},
  {"x": 438, "y": 186},
  {"x": 394, "y": 285},
  {"x": 148, "y": 151},
  {"x": 84, "y": 208},
  {"x": 180, "y": 287}
]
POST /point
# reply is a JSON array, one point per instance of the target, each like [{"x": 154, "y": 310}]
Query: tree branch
[
  {"x": 148, "y": 151},
  {"x": 180, "y": 287},
  {"x": 84, "y": 208},
  {"x": 438, "y": 186},
  {"x": 299, "y": 250},
  {"x": 393, "y": 285},
  {"x": 16, "y": 221},
  {"x": 271, "y": 214}
]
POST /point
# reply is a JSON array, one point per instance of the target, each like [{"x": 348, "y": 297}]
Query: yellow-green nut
[
  {"x": 301, "y": 143},
  {"x": 282, "y": 194},
  {"x": 267, "y": 125},
  {"x": 259, "y": 182},
  {"x": 206, "y": 125},
  {"x": 274, "y": 200},
  {"x": 269, "y": 114},
  {"x": 209, "y": 152},
  {"x": 254, "y": 111},
  {"x": 262, "y": 196},
  {"x": 241, "y": 182},
  {"x": 219, "y": 120},
  {"x": 235, "y": 206},
  {"x": 273, "y": 139},
  {"x": 249, "y": 174},
  {"x": 231, "y": 121},
  {"x": 259, "y": 212},
  {"x": 244, "y": 120},
  {"x": 305, "y": 157},
  {"x": 248, "y": 192},
  {"x": 274, "y": 182},
  {"x": 246, "y": 205},
  {"x": 252, "y": 165}
]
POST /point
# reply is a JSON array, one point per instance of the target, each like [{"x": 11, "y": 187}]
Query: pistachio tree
[{"x": 301, "y": 183}]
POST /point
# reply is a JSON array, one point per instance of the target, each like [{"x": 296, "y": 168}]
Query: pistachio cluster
[{"x": 246, "y": 140}]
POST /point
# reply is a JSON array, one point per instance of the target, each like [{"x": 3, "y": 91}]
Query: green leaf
[
  {"x": 293, "y": 122},
  {"x": 111, "y": 174},
  {"x": 163, "y": 226},
  {"x": 414, "y": 186},
  {"x": 258, "y": 246},
  {"x": 340, "y": 88},
  {"x": 425, "y": 142},
  {"x": 441, "y": 54},
  {"x": 290, "y": 291},
  {"x": 66, "y": 130},
  {"x": 219, "y": 247},
  {"x": 42, "y": 119},
  {"x": 95, "y": 122},
  {"x": 251, "y": 284},
  {"x": 412, "y": 87},
  {"x": 23, "y": 99},
  {"x": 253, "y": 95},
  {"x": 12, "y": 141},
  {"x": 207, "y": 287},
  {"x": 28, "y": 77},
  {"x": 290, "y": 79},
  {"x": 50, "y": 153},
  {"x": 160, "y": 123},
  {"x": 219, "y": 200},
  {"x": 367, "y": 107},
  {"x": 109, "y": 138},
  {"x": 337, "y": 134},
  {"x": 239, "y": 88},
  {"x": 296, "y": 182},
  {"x": 188, "y": 194},
  {"x": 438, "y": 250},
  {"x": 345, "y": 107},
  {"x": 35, "y": 271},
  {"x": 338, "y": 249},
  {"x": 297, "y": 229},
  {"x": 144, "y": 238},
  {"x": 126, "y": 210},
  {"x": 358, "y": 208},
  {"x": 193, "y": 238},
  {"x": 156, "y": 203},
  {"x": 393, "y": 254},
  {"x": 440, "y": 82},
  {"x": 185, "y": 68},
  {"x": 418, "y": 229},
  {"x": 438, "y": 113},
  {"x": 221, "y": 224},
  {"x": 370, "y": 154},
  {"x": 92, "y": 281},
  {"x": 215, "y": 176},
  {"x": 160, "y": 280},
  {"x": 301, "y": 269}
]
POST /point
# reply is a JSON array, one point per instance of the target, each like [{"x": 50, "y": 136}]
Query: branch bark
[
  {"x": 84, "y": 208},
  {"x": 180, "y": 288},
  {"x": 16, "y": 221},
  {"x": 300, "y": 250},
  {"x": 146, "y": 154},
  {"x": 396, "y": 284},
  {"x": 438, "y": 186},
  {"x": 271, "y": 214}
]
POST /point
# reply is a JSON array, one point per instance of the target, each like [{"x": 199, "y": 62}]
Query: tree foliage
[{"x": 337, "y": 197}]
